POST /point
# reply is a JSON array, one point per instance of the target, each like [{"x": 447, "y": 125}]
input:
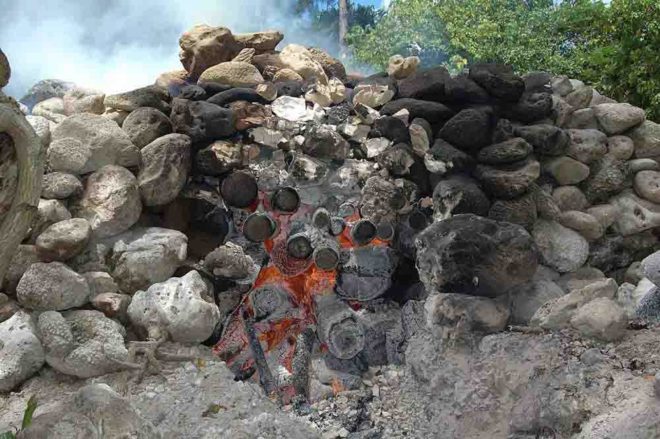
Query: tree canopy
[{"x": 615, "y": 46}]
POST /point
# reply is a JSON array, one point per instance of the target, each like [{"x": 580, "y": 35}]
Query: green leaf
[
  {"x": 7, "y": 435},
  {"x": 29, "y": 411}
]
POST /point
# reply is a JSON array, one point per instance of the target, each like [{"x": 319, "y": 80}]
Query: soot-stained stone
[
  {"x": 469, "y": 254},
  {"x": 469, "y": 130}
]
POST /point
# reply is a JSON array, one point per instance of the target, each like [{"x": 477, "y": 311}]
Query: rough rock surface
[
  {"x": 63, "y": 240},
  {"x": 561, "y": 248},
  {"x": 179, "y": 309},
  {"x": 21, "y": 354},
  {"x": 145, "y": 124},
  {"x": 472, "y": 255},
  {"x": 52, "y": 286}
]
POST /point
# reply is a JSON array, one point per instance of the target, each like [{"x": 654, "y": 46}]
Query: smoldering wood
[
  {"x": 301, "y": 362},
  {"x": 30, "y": 162},
  {"x": 321, "y": 219},
  {"x": 286, "y": 200},
  {"x": 339, "y": 328},
  {"x": 265, "y": 376},
  {"x": 239, "y": 189},
  {"x": 385, "y": 230},
  {"x": 270, "y": 301},
  {"x": 258, "y": 227},
  {"x": 366, "y": 272},
  {"x": 363, "y": 232},
  {"x": 337, "y": 225},
  {"x": 299, "y": 246},
  {"x": 326, "y": 258}
]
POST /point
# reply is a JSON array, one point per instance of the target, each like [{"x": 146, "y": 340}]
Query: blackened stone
[
  {"x": 469, "y": 130},
  {"x": 546, "y": 139},
  {"x": 498, "y": 80},
  {"x": 538, "y": 82},
  {"x": 509, "y": 180},
  {"x": 459, "y": 194},
  {"x": 398, "y": 160},
  {"x": 213, "y": 88},
  {"x": 433, "y": 112},
  {"x": 508, "y": 151},
  {"x": 339, "y": 113},
  {"x": 289, "y": 88},
  {"x": 324, "y": 143},
  {"x": 424, "y": 124},
  {"x": 218, "y": 158},
  {"x": 193, "y": 93},
  {"x": 381, "y": 199},
  {"x": 531, "y": 107},
  {"x": 607, "y": 177},
  {"x": 613, "y": 252},
  {"x": 469, "y": 254},
  {"x": 426, "y": 84},
  {"x": 236, "y": 94},
  {"x": 153, "y": 96},
  {"x": 445, "y": 152},
  {"x": 202, "y": 120},
  {"x": 462, "y": 90},
  {"x": 521, "y": 211},
  {"x": 391, "y": 128},
  {"x": 504, "y": 130}
]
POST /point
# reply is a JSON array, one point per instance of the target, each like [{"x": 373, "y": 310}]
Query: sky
[{"x": 119, "y": 45}]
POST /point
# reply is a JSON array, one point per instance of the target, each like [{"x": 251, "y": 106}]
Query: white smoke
[{"x": 118, "y": 45}]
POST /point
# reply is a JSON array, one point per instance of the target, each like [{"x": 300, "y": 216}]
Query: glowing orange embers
[{"x": 278, "y": 309}]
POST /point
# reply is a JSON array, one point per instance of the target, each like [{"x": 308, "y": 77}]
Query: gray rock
[
  {"x": 229, "y": 261},
  {"x": 527, "y": 298},
  {"x": 48, "y": 212},
  {"x": 100, "y": 282},
  {"x": 41, "y": 126},
  {"x": 457, "y": 315},
  {"x": 325, "y": 143},
  {"x": 647, "y": 139},
  {"x": 636, "y": 215},
  {"x": 144, "y": 256},
  {"x": 381, "y": 199},
  {"x": 651, "y": 267},
  {"x": 46, "y": 89},
  {"x": 546, "y": 139},
  {"x": 202, "y": 120},
  {"x": 569, "y": 198},
  {"x": 647, "y": 185},
  {"x": 82, "y": 343},
  {"x": 608, "y": 177},
  {"x": 582, "y": 119},
  {"x": 21, "y": 354},
  {"x": 110, "y": 202},
  {"x": 179, "y": 309},
  {"x": 68, "y": 155},
  {"x": 81, "y": 100},
  {"x": 606, "y": 214},
  {"x": 566, "y": 170},
  {"x": 165, "y": 166},
  {"x": 145, "y": 124},
  {"x": 59, "y": 186},
  {"x": 508, "y": 181},
  {"x": 601, "y": 318},
  {"x": 459, "y": 194},
  {"x": 51, "y": 286},
  {"x": 580, "y": 97},
  {"x": 557, "y": 313},
  {"x": 473, "y": 255},
  {"x": 51, "y": 109},
  {"x": 62, "y": 241},
  {"x": 509, "y": 151},
  {"x": 24, "y": 256},
  {"x": 561, "y": 248},
  {"x": 579, "y": 278},
  {"x": 587, "y": 145},
  {"x": 153, "y": 96},
  {"x": 219, "y": 158},
  {"x": 102, "y": 143},
  {"x": 561, "y": 85},
  {"x": 583, "y": 223},
  {"x": 620, "y": 147},
  {"x": 113, "y": 305},
  {"x": 521, "y": 210},
  {"x": 617, "y": 118},
  {"x": 638, "y": 165}
]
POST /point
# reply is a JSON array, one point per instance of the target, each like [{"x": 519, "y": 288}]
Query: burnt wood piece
[
  {"x": 259, "y": 227},
  {"x": 265, "y": 376},
  {"x": 326, "y": 258},
  {"x": 286, "y": 200},
  {"x": 301, "y": 361},
  {"x": 239, "y": 189},
  {"x": 363, "y": 232},
  {"x": 299, "y": 246},
  {"x": 339, "y": 328}
]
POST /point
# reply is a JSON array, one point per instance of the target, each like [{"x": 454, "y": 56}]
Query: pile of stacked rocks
[{"x": 484, "y": 199}]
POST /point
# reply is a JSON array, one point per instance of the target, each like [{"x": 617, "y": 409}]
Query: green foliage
[
  {"x": 27, "y": 418},
  {"x": 616, "y": 46}
]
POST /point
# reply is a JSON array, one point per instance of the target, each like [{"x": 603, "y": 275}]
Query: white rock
[
  {"x": 601, "y": 318},
  {"x": 82, "y": 343},
  {"x": 267, "y": 136},
  {"x": 587, "y": 146},
  {"x": 21, "y": 354},
  {"x": 177, "y": 308},
  {"x": 636, "y": 214},
  {"x": 52, "y": 286},
  {"x": 376, "y": 146},
  {"x": 62, "y": 241},
  {"x": 102, "y": 140},
  {"x": 41, "y": 126},
  {"x": 647, "y": 139},
  {"x": 561, "y": 248},
  {"x": 110, "y": 202},
  {"x": 372, "y": 96},
  {"x": 290, "y": 108},
  {"x": 51, "y": 109},
  {"x": 651, "y": 267},
  {"x": 48, "y": 212},
  {"x": 58, "y": 185},
  {"x": 144, "y": 256},
  {"x": 647, "y": 185}
]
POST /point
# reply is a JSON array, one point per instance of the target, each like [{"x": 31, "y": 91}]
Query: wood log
[
  {"x": 299, "y": 246},
  {"x": 259, "y": 227},
  {"x": 270, "y": 301},
  {"x": 385, "y": 231},
  {"x": 301, "y": 362},
  {"x": 239, "y": 189},
  {"x": 286, "y": 200},
  {"x": 363, "y": 232},
  {"x": 338, "y": 327},
  {"x": 321, "y": 219},
  {"x": 30, "y": 160}
]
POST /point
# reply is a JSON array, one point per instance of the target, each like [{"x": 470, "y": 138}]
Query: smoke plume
[{"x": 118, "y": 45}]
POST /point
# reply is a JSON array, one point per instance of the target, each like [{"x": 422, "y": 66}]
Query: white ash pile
[{"x": 307, "y": 224}]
